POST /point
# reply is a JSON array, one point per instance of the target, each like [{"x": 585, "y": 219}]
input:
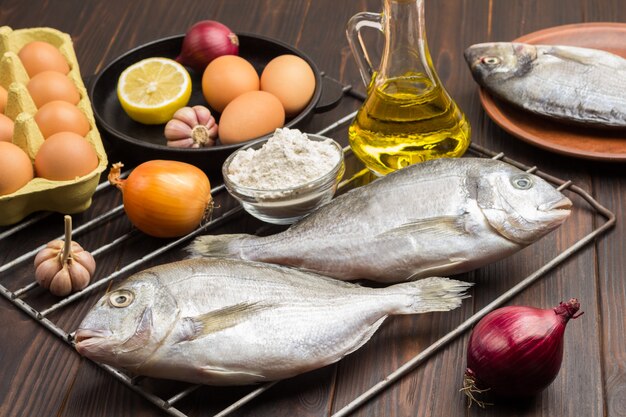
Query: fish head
[
  {"x": 127, "y": 325},
  {"x": 520, "y": 206},
  {"x": 494, "y": 62}
]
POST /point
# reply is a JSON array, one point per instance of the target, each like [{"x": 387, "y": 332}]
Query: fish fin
[
  {"x": 216, "y": 245},
  {"x": 430, "y": 294},
  {"x": 583, "y": 56},
  {"x": 433, "y": 270},
  {"x": 437, "y": 226},
  {"x": 366, "y": 336},
  {"x": 229, "y": 376},
  {"x": 214, "y": 321}
]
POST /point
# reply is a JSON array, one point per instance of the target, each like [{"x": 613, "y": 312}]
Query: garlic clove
[
  {"x": 46, "y": 254},
  {"x": 56, "y": 244},
  {"x": 75, "y": 247},
  {"x": 183, "y": 143},
  {"x": 186, "y": 115},
  {"x": 212, "y": 129},
  {"x": 61, "y": 283},
  {"x": 177, "y": 129},
  {"x": 203, "y": 115},
  {"x": 46, "y": 271},
  {"x": 86, "y": 260},
  {"x": 79, "y": 276}
]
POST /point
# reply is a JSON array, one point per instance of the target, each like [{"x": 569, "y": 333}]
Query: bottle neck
[{"x": 406, "y": 50}]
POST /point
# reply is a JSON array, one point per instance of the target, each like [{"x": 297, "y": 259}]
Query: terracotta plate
[{"x": 598, "y": 144}]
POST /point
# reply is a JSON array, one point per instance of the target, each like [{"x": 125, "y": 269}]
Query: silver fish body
[
  {"x": 233, "y": 322},
  {"x": 579, "y": 85},
  {"x": 440, "y": 217}
]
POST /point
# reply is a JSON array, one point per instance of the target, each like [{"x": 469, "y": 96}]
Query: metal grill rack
[{"x": 169, "y": 405}]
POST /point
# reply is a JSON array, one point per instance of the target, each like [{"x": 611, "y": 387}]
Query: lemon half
[{"x": 151, "y": 90}]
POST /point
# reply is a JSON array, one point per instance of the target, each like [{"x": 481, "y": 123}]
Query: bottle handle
[{"x": 357, "y": 46}]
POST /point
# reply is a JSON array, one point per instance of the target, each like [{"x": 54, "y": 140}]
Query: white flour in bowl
[{"x": 288, "y": 159}]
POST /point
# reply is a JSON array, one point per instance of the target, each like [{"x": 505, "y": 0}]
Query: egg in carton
[{"x": 66, "y": 197}]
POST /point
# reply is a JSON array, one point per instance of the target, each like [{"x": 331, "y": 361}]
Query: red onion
[
  {"x": 516, "y": 351},
  {"x": 205, "y": 41}
]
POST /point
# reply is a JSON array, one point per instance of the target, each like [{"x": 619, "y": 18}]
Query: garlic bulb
[
  {"x": 191, "y": 127},
  {"x": 64, "y": 266}
]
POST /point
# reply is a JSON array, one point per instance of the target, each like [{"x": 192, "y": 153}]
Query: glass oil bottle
[{"x": 407, "y": 117}]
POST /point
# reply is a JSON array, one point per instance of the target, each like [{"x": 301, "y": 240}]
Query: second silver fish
[{"x": 440, "y": 217}]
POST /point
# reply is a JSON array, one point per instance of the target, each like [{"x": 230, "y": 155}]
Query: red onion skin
[
  {"x": 517, "y": 351},
  {"x": 205, "y": 41}
]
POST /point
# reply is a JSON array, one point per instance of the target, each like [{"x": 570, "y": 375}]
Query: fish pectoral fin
[
  {"x": 222, "y": 375},
  {"x": 216, "y": 320},
  {"x": 437, "y": 226},
  {"x": 434, "y": 270},
  {"x": 365, "y": 337}
]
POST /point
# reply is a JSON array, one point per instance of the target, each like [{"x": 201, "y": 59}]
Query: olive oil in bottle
[
  {"x": 407, "y": 120},
  {"x": 407, "y": 117}
]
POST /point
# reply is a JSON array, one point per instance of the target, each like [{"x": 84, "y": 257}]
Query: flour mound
[{"x": 288, "y": 159}]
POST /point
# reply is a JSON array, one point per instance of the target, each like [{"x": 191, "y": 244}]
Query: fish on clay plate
[
  {"x": 436, "y": 218},
  {"x": 233, "y": 322},
  {"x": 567, "y": 83}
]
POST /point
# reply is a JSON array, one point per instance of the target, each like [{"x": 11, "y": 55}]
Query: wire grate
[{"x": 16, "y": 297}]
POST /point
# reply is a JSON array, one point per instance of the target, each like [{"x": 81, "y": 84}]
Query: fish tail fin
[
  {"x": 216, "y": 246},
  {"x": 431, "y": 294}
]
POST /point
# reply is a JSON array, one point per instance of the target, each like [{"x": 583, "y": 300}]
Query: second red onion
[
  {"x": 205, "y": 41},
  {"x": 516, "y": 351}
]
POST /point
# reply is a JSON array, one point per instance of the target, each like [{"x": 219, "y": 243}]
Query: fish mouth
[
  {"x": 86, "y": 339},
  {"x": 563, "y": 204},
  {"x": 556, "y": 211}
]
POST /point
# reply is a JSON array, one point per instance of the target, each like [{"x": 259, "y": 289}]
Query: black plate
[{"x": 138, "y": 142}]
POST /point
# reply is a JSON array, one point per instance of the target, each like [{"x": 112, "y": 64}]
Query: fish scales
[
  {"x": 233, "y": 322},
  {"x": 440, "y": 217},
  {"x": 579, "y": 85}
]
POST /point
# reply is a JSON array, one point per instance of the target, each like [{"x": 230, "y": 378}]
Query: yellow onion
[{"x": 164, "y": 198}]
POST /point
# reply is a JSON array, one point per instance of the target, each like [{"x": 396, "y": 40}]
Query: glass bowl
[{"x": 286, "y": 206}]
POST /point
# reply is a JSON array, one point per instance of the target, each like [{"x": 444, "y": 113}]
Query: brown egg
[
  {"x": 15, "y": 168},
  {"x": 65, "y": 156},
  {"x": 291, "y": 79},
  {"x": 60, "y": 116},
  {"x": 50, "y": 85},
  {"x": 41, "y": 56},
  {"x": 252, "y": 114},
  {"x": 3, "y": 99},
  {"x": 227, "y": 77},
  {"x": 6, "y": 128}
]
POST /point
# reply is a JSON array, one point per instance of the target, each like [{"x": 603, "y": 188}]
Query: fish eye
[
  {"x": 491, "y": 60},
  {"x": 121, "y": 298},
  {"x": 522, "y": 182}
]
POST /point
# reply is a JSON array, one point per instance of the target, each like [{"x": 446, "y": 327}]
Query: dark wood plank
[{"x": 611, "y": 317}]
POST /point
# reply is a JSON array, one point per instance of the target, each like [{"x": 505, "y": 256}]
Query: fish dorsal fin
[
  {"x": 585, "y": 56},
  {"x": 217, "y": 320},
  {"x": 443, "y": 226}
]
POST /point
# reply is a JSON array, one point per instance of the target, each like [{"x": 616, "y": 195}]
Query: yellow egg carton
[{"x": 65, "y": 197}]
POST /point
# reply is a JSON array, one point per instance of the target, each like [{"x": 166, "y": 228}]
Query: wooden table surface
[{"x": 41, "y": 376}]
